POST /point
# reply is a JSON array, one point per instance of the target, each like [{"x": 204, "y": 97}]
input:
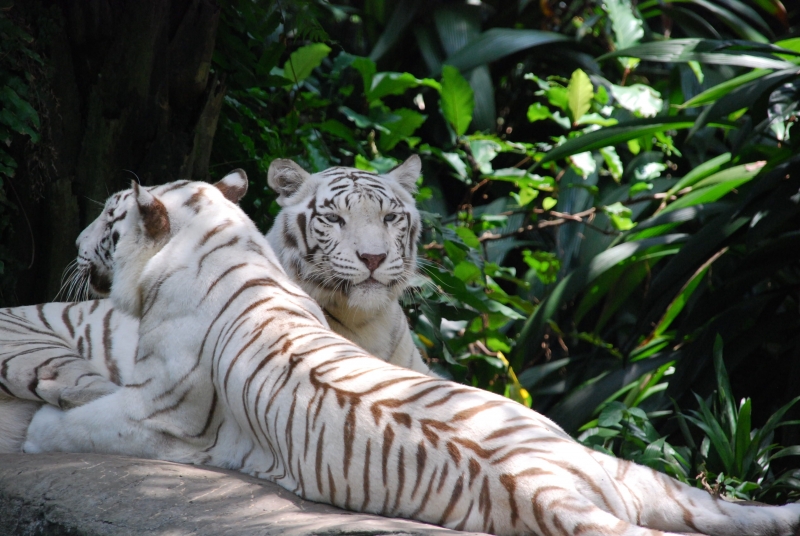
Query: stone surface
[{"x": 94, "y": 495}]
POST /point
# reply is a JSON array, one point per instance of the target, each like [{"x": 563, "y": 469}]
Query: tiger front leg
[{"x": 115, "y": 424}]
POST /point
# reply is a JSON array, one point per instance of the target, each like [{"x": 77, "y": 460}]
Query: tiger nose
[{"x": 371, "y": 260}]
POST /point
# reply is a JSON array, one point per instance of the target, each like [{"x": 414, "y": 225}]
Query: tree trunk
[{"x": 127, "y": 93}]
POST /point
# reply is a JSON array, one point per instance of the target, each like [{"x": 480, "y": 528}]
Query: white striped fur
[{"x": 236, "y": 368}]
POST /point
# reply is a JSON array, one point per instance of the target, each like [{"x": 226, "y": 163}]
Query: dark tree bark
[{"x": 127, "y": 88}]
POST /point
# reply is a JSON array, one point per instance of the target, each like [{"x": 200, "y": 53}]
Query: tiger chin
[{"x": 236, "y": 368}]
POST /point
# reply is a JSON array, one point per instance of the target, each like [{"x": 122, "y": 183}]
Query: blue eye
[
  {"x": 333, "y": 218},
  {"x": 390, "y": 218}
]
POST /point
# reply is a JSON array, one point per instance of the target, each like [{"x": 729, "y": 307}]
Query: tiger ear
[
  {"x": 286, "y": 177},
  {"x": 155, "y": 220},
  {"x": 233, "y": 185},
  {"x": 407, "y": 173}
]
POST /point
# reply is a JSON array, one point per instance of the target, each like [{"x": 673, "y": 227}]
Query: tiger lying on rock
[
  {"x": 356, "y": 262},
  {"x": 236, "y": 368}
]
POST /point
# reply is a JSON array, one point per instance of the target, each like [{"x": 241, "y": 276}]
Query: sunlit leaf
[
  {"x": 468, "y": 237},
  {"x": 628, "y": 29},
  {"x": 304, "y": 60},
  {"x": 537, "y": 111},
  {"x": 643, "y": 100},
  {"x": 467, "y": 272},
  {"x": 613, "y": 162},
  {"x": 396, "y": 84},
  {"x": 407, "y": 122},
  {"x": 579, "y": 95},
  {"x": 456, "y": 100},
  {"x": 620, "y": 216}
]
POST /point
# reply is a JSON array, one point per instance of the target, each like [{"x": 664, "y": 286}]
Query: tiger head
[
  {"x": 348, "y": 237},
  {"x": 139, "y": 215}
]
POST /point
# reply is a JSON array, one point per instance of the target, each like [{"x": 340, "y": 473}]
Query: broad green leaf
[
  {"x": 456, "y": 100},
  {"x": 18, "y": 114},
  {"x": 484, "y": 116},
  {"x": 584, "y": 163},
  {"x": 613, "y": 162},
  {"x": 367, "y": 68},
  {"x": 640, "y": 99},
  {"x": 336, "y": 128},
  {"x": 468, "y": 237},
  {"x": 649, "y": 171},
  {"x": 580, "y": 93},
  {"x": 526, "y": 195},
  {"x": 628, "y": 29},
  {"x": 484, "y": 151},
  {"x": 612, "y": 414},
  {"x": 396, "y": 84},
  {"x": 362, "y": 121},
  {"x": 792, "y": 44},
  {"x": 597, "y": 119},
  {"x": 620, "y": 216},
  {"x": 498, "y": 43},
  {"x": 304, "y": 60},
  {"x": 538, "y": 111},
  {"x": 532, "y": 376},
  {"x": 557, "y": 96},
  {"x": 467, "y": 272},
  {"x": 407, "y": 122}
]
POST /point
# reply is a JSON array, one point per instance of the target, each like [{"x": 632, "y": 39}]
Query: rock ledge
[{"x": 95, "y": 495}]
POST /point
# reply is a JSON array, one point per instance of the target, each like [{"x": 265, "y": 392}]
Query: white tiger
[
  {"x": 357, "y": 259},
  {"x": 356, "y": 268},
  {"x": 236, "y": 368}
]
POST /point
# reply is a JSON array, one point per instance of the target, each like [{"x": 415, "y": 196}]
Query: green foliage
[
  {"x": 731, "y": 457},
  {"x": 457, "y": 100}
]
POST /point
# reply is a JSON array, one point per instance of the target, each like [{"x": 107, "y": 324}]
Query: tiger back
[{"x": 237, "y": 368}]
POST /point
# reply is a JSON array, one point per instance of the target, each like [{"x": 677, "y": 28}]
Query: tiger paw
[{"x": 43, "y": 431}]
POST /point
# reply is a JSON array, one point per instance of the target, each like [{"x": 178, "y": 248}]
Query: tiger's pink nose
[{"x": 372, "y": 261}]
